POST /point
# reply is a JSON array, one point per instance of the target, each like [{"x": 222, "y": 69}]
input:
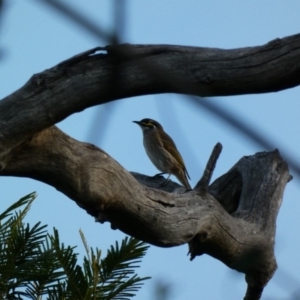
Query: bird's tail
[{"x": 181, "y": 175}]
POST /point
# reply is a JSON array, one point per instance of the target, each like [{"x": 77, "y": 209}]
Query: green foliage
[{"x": 36, "y": 265}]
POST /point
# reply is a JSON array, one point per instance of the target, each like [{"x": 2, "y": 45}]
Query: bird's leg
[
  {"x": 166, "y": 181},
  {"x": 159, "y": 174}
]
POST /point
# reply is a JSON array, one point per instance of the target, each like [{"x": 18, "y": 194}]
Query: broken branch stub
[
  {"x": 233, "y": 220},
  {"x": 244, "y": 240}
]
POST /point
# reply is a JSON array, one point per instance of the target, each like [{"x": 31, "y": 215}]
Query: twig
[{"x": 210, "y": 166}]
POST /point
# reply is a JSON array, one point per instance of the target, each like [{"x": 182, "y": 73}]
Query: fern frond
[
  {"x": 34, "y": 264},
  {"x": 117, "y": 276},
  {"x": 26, "y": 200},
  {"x": 76, "y": 282}
]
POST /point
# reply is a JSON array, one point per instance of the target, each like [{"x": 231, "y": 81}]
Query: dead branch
[
  {"x": 85, "y": 80},
  {"x": 232, "y": 220}
]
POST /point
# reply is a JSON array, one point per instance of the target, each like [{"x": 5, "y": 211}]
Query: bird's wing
[{"x": 170, "y": 146}]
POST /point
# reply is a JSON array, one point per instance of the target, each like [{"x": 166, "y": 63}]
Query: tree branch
[
  {"x": 243, "y": 240},
  {"x": 208, "y": 171},
  {"x": 232, "y": 220},
  {"x": 85, "y": 80}
]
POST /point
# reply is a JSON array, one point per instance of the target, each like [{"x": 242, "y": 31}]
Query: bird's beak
[{"x": 137, "y": 122}]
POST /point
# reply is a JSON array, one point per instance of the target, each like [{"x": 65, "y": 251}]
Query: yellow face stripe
[{"x": 149, "y": 124}]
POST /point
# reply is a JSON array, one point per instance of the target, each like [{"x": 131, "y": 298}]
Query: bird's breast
[{"x": 157, "y": 154}]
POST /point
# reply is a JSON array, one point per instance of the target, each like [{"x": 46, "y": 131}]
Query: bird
[{"x": 162, "y": 151}]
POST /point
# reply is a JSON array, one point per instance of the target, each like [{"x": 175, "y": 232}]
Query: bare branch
[
  {"x": 84, "y": 80},
  {"x": 208, "y": 171},
  {"x": 232, "y": 220},
  {"x": 243, "y": 240}
]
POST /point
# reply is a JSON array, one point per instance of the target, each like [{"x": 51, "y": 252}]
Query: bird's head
[{"x": 147, "y": 124}]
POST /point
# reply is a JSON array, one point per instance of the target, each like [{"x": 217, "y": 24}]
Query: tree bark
[
  {"x": 108, "y": 73},
  {"x": 232, "y": 220}
]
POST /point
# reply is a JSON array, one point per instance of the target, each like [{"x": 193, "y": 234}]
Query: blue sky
[{"x": 33, "y": 38}]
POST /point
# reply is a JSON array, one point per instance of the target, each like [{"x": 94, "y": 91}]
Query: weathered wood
[
  {"x": 242, "y": 238},
  {"x": 108, "y": 73},
  {"x": 232, "y": 220}
]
